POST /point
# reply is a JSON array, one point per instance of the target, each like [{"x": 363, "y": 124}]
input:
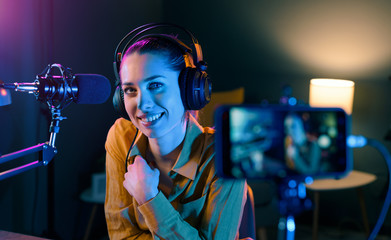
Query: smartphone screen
[{"x": 276, "y": 141}]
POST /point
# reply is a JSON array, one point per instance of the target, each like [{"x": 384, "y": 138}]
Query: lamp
[
  {"x": 337, "y": 93},
  {"x": 332, "y": 93}
]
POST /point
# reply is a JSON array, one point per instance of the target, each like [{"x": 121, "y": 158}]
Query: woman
[
  {"x": 170, "y": 189},
  {"x": 302, "y": 154}
]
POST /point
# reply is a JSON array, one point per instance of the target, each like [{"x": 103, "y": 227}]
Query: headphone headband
[{"x": 135, "y": 33}]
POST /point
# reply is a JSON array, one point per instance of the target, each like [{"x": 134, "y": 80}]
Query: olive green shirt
[{"x": 200, "y": 205}]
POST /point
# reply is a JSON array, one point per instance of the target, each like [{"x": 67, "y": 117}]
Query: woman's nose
[{"x": 145, "y": 101}]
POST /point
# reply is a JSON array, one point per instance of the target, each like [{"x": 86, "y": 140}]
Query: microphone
[{"x": 82, "y": 89}]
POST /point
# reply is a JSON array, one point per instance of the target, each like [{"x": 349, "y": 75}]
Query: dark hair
[{"x": 160, "y": 45}]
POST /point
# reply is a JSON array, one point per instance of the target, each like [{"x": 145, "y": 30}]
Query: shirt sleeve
[
  {"x": 164, "y": 220},
  {"x": 224, "y": 209},
  {"x": 119, "y": 209}
]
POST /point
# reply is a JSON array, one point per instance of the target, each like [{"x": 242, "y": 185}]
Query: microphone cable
[
  {"x": 358, "y": 142},
  {"x": 131, "y": 146}
]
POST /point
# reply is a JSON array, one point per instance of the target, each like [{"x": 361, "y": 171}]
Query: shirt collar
[{"x": 189, "y": 158}]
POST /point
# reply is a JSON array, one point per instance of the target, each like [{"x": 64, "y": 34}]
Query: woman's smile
[{"x": 150, "y": 119}]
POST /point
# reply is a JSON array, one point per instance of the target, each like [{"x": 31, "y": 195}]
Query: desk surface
[
  {"x": 4, "y": 235},
  {"x": 352, "y": 180}
]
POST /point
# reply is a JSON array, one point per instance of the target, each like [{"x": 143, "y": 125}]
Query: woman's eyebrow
[
  {"x": 148, "y": 79},
  {"x": 127, "y": 83},
  {"x": 153, "y": 78}
]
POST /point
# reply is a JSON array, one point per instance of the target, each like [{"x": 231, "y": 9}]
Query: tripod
[{"x": 292, "y": 201}]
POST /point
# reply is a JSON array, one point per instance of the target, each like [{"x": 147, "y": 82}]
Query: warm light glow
[
  {"x": 345, "y": 38},
  {"x": 5, "y": 97},
  {"x": 332, "y": 93}
]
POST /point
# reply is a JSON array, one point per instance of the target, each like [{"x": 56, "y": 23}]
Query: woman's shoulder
[
  {"x": 122, "y": 125},
  {"x": 120, "y": 132},
  {"x": 209, "y": 130},
  {"x": 206, "y": 143},
  {"x": 208, "y": 134}
]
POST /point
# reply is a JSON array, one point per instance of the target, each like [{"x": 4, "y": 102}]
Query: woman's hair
[
  {"x": 162, "y": 46},
  {"x": 177, "y": 59}
]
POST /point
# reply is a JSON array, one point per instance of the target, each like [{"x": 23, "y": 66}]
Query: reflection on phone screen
[{"x": 268, "y": 142}]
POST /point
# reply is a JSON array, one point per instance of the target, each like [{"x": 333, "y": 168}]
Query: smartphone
[{"x": 275, "y": 141}]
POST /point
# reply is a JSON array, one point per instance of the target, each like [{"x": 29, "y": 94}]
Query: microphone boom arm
[{"x": 46, "y": 154}]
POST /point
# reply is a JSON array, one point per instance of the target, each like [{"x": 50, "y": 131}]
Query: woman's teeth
[{"x": 152, "y": 117}]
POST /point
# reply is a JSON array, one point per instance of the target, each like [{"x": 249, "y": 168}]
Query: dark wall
[
  {"x": 23, "y": 54},
  {"x": 260, "y": 45}
]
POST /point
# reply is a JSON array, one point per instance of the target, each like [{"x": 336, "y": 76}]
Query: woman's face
[
  {"x": 151, "y": 94},
  {"x": 295, "y": 129}
]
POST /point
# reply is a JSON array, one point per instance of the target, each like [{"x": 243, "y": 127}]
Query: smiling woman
[{"x": 170, "y": 189}]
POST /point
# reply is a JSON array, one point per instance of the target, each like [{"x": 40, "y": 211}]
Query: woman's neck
[{"x": 170, "y": 145}]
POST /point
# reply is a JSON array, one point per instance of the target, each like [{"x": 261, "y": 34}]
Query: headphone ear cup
[
  {"x": 195, "y": 87},
  {"x": 118, "y": 103}
]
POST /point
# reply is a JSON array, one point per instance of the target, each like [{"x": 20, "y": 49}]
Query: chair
[
  {"x": 247, "y": 224},
  {"x": 235, "y": 96}
]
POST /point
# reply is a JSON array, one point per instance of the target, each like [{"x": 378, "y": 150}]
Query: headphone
[{"x": 194, "y": 83}]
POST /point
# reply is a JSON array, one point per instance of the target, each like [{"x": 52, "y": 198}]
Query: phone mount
[
  {"x": 292, "y": 201},
  {"x": 46, "y": 150}
]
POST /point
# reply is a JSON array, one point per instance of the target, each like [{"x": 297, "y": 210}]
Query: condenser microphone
[{"x": 81, "y": 89}]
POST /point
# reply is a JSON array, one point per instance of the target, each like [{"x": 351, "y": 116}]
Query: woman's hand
[{"x": 141, "y": 181}]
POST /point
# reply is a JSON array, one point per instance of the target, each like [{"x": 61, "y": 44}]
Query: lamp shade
[{"x": 332, "y": 93}]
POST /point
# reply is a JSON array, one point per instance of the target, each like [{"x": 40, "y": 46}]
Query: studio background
[{"x": 260, "y": 45}]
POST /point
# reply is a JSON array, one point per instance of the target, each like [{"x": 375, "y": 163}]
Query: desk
[
  {"x": 355, "y": 179},
  {"x": 4, "y": 235}
]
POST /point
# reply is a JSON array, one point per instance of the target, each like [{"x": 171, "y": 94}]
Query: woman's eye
[
  {"x": 129, "y": 90},
  {"x": 155, "y": 85}
]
